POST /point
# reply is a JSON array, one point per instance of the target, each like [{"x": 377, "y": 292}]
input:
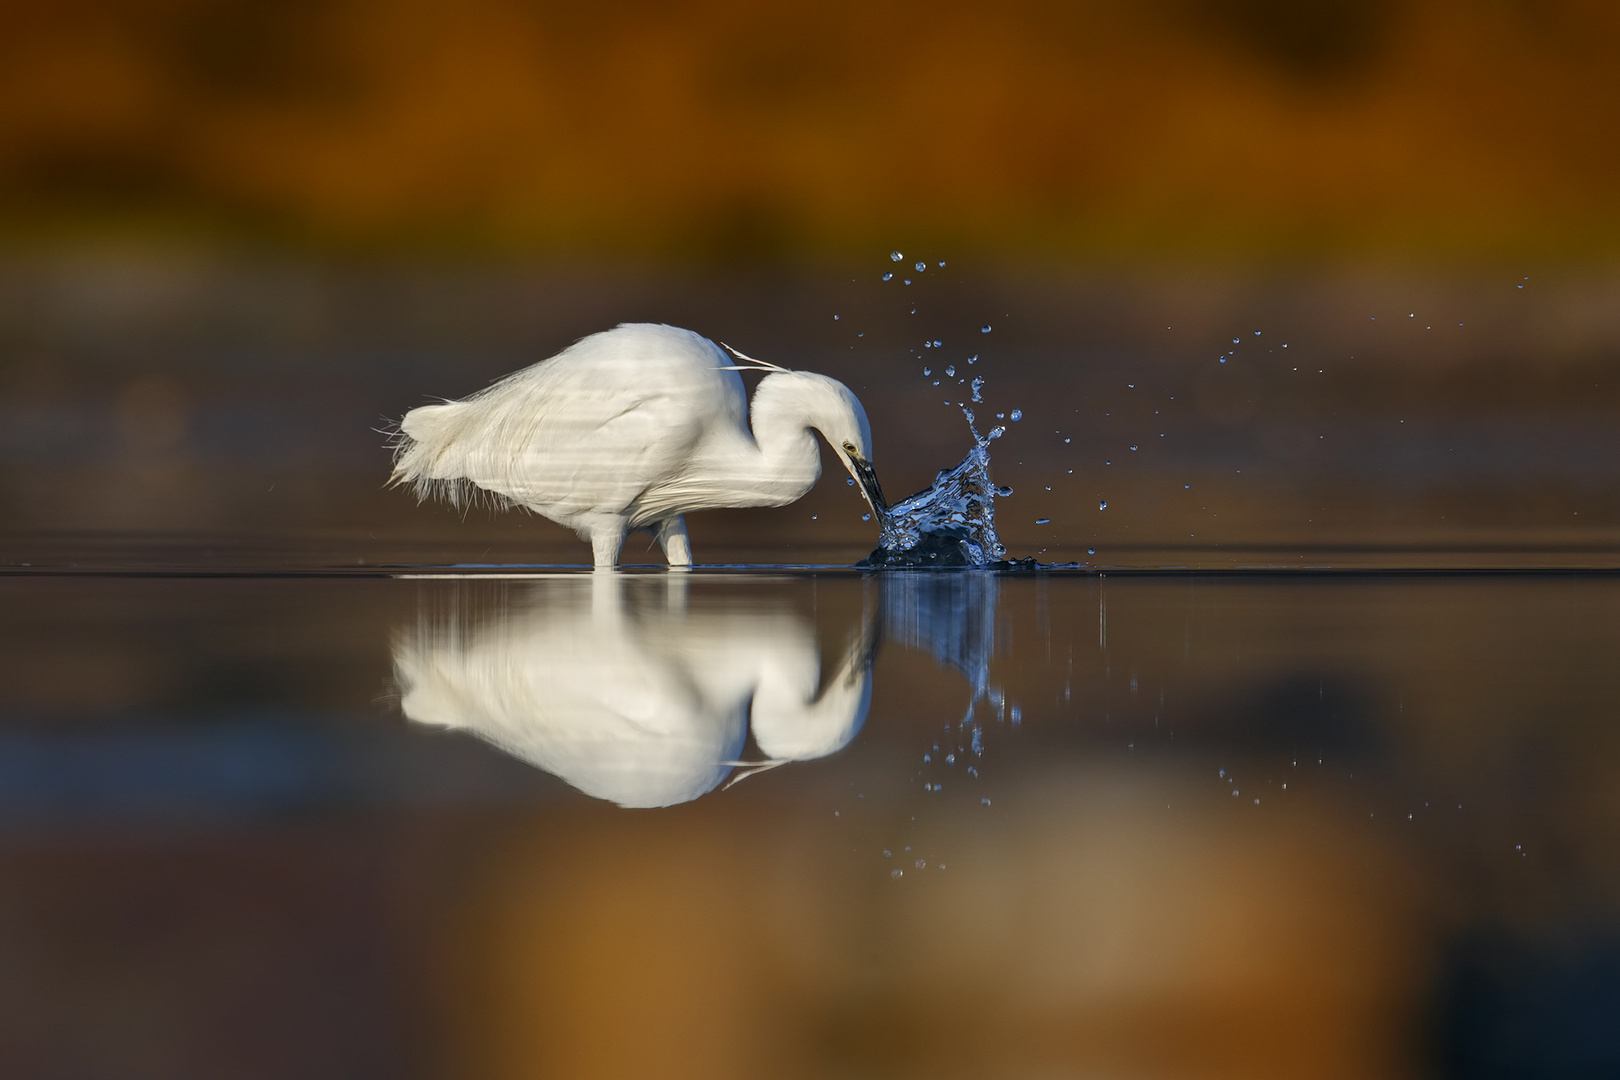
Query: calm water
[
  {"x": 1198, "y": 825},
  {"x": 281, "y": 797}
]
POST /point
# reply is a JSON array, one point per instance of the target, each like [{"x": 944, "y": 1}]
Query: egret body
[{"x": 630, "y": 429}]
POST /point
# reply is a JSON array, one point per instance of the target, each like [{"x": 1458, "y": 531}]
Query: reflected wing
[{"x": 586, "y": 702}]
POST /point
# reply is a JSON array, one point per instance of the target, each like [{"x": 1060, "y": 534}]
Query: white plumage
[{"x": 631, "y": 428}]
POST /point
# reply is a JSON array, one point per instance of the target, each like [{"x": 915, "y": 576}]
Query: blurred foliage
[{"x": 716, "y": 128}]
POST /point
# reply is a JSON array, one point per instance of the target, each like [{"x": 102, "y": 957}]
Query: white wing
[{"x": 592, "y": 428}]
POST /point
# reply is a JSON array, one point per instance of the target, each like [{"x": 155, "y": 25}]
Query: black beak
[{"x": 869, "y": 482}]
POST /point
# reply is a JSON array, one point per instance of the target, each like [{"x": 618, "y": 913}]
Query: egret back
[{"x": 587, "y": 431}]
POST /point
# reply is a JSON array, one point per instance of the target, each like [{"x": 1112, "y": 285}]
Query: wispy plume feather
[{"x": 748, "y": 362}]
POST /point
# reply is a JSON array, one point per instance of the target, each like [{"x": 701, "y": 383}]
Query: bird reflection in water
[{"x": 627, "y": 690}]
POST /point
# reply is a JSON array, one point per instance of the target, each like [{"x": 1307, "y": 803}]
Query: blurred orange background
[
  {"x": 237, "y": 238},
  {"x": 1247, "y": 128}
]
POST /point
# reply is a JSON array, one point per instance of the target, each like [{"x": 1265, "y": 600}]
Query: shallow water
[{"x": 1263, "y": 825}]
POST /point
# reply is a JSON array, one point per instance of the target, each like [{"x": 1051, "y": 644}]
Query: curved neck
[{"x": 789, "y": 462}]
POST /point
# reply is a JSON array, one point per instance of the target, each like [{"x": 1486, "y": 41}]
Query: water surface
[{"x": 941, "y": 824}]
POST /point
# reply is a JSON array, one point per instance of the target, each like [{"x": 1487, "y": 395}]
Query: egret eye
[{"x": 849, "y": 447}]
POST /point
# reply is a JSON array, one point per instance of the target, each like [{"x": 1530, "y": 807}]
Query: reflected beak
[{"x": 864, "y": 476}]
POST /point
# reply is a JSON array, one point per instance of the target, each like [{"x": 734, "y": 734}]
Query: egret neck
[{"x": 788, "y": 407}]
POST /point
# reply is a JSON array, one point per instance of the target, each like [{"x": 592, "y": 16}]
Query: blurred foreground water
[{"x": 1274, "y": 825}]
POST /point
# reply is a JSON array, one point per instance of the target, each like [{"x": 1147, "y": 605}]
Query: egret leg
[
  {"x": 607, "y": 537},
  {"x": 672, "y": 538}
]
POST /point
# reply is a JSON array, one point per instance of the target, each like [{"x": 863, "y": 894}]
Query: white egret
[{"x": 631, "y": 428}]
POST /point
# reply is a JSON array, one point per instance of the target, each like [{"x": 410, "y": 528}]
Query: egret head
[{"x": 828, "y": 406}]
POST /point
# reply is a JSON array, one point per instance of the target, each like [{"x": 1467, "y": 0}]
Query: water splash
[{"x": 952, "y": 522}]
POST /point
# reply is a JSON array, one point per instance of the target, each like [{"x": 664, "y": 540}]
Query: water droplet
[
  {"x": 1223, "y": 359},
  {"x": 1043, "y": 521},
  {"x": 897, "y": 873},
  {"x": 1003, "y": 491},
  {"x": 919, "y": 864},
  {"x": 921, "y": 266},
  {"x": 927, "y": 372},
  {"x": 1257, "y": 333},
  {"x": 938, "y": 344},
  {"x": 985, "y": 329},
  {"x": 984, "y": 802},
  {"x": 812, "y": 517},
  {"x": 896, "y": 256},
  {"x": 908, "y": 282},
  {"x": 942, "y": 264},
  {"x": 887, "y": 854},
  {"x": 850, "y": 480},
  {"x": 950, "y": 369},
  {"x": 1133, "y": 448},
  {"x": 866, "y": 517},
  {"x": 978, "y": 384},
  {"x": 1067, "y": 441},
  {"x": 927, "y": 758},
  {"x": 888, "y": 276},
  {"x": 1017, "y": 414},
  {"x": 974, "y": 359},
  {"x": 1234, "y": 341},
  {"x": 1091, "y": 551},
  {"x": 1102, "y": 504},
  {"x": 950, "y": 759}
]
